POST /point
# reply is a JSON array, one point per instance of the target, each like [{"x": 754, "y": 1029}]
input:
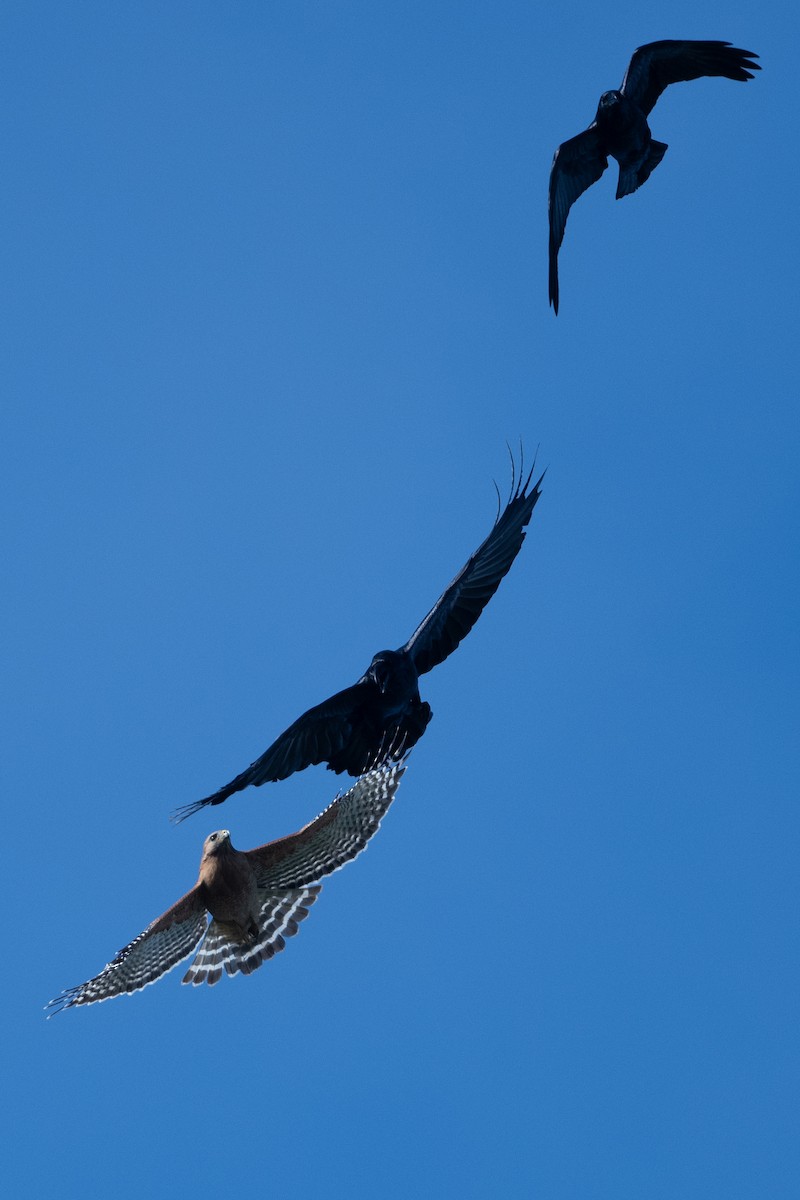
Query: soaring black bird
[
  {"x": 381, "y": 715},
  {"x": 620, "y": 127}
]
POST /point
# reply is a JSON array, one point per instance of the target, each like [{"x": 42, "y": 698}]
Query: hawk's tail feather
[{"x": 223, "y": 949}]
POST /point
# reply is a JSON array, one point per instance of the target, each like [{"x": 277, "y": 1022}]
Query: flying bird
[
  {"x": 620, "y": 127},
  {"x": 256, "y": 898},
  {"x": 381, "y": 715}
]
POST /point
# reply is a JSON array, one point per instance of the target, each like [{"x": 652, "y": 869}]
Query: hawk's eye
[{"x": 212, "y": 837}]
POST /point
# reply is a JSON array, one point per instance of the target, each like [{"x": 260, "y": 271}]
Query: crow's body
[{"x": 381, "y": 715}]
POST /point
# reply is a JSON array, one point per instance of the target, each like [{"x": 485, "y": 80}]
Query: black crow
[
  {"x": 620, "y": 127},
  {"x": 381, "y": 716}
]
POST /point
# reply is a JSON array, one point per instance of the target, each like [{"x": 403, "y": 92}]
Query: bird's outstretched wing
[
  {"x": 162, "y": 946},
  {"x": 279, "y": 917},
  {"x": 577, "y": 164},
  {"x": 318, "y": 736},
  {"x": 333, "y": 838},
  {"x": 458, "y": 608},
  {"x": 658, "y": 64}
]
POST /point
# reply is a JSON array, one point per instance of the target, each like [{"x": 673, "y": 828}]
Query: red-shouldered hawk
[{"x": 256, "y": 898}]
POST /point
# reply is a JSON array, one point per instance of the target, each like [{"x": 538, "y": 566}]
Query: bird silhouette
[
  {"x": 256, "y": 898},
  {"x": 381, "y": 715},
  {"x": 620, "y": 128}
]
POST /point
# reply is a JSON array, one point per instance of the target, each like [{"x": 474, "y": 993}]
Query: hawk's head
[{"x": 217, "y": 843}]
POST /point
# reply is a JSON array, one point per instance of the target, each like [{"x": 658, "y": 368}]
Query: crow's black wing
[
  {"x": 577, "y": 164},
  {"x": 321, "y": 734},
  {"x": 658, "y": 64},
  {"x": 457, "y": 610}
]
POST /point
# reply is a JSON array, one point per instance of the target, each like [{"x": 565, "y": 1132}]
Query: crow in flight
[
  {"x": 381, "y": 716},
  {"x": 620, "y": 127}
]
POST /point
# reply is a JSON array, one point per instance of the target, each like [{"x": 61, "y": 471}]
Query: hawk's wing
[
  {"x": 458, "y": 608},
  {"x": 658, "y": 64},
  {"x": 162, "y": 946},
  {"x": 316, "y": 737},
  {"x": 333, "y": 838},
  {"x": 577, "y": 164},
  {"x": 279, "y": 918}
]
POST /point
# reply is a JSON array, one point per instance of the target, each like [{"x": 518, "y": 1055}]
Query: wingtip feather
[{"x": 187, "y": 810}]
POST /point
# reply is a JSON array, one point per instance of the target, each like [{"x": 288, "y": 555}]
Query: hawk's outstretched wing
[
  {"x": 658, "y": 64},
  {"x": 333, "y": 838},
  {"x": 162, "y": 946}
]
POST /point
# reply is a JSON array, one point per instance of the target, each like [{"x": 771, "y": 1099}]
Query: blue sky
[{"x": 275, "y": 298}]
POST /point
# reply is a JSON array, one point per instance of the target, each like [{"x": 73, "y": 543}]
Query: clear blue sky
[{"x": 274, "y": 298}]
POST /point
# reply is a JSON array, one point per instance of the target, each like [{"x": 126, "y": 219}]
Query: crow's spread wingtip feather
[{"x": 188, "y": 810}]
